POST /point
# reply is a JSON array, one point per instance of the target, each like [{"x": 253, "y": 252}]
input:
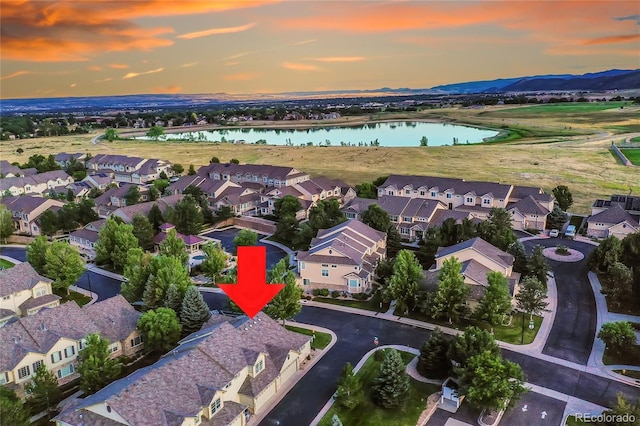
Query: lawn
[
  {"x": 633, "y": 154},
  {"x": 80, "y": 299},
  {"x": 630, "y": 356},
  {"x": 372, "y": 304},
  {"x": 5, "y": 264},
  {"x": 369, "y": 414},
  {"x": 572, "y": 421},
  {"x": 564, "y": 108},
  {"x": 636, "y": 139},
  {"x": 629, "y": 373},
  {"x": 321, "y": 340}
]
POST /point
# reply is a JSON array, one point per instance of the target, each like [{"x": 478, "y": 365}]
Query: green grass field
[
  {"x": 633, "y": 154},
  {"x": 636, "y": 139},
  {"x": 5, "y": 264},
  {"x": 565, "y": 108},
  {"x": 319, "y": 342},
  {"x": 367, "y": 413}
]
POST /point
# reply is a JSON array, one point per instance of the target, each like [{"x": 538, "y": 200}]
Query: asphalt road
[
  {"x": 274, "y": 254},
  {"x": 574, "y": 328}
]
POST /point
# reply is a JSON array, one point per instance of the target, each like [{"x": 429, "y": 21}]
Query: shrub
[
  {"x": 562, "y": 250},
  {"x": 360, "y": 296},
  {"x": 315, "y": 292},
  {"x": 324, "y": 292},
  {"x": 379, "y": 355},
  {"x": 335, "y": 294}
]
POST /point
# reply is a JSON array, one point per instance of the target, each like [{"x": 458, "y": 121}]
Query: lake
[{"x": 395, "y": 134}]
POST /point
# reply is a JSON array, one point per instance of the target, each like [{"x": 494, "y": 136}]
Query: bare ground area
[{"x": 582, "y": 162}]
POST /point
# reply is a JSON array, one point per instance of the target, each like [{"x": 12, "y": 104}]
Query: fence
[{"x": 620, "y": 155}]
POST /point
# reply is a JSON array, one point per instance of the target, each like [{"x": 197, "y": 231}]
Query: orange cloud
[
  {"x": 189, "y": 65},
  {"x": 613, "y": 39},
  {"x": 15, "y": 74},
  {"x": 138, "y": 74},
  {"x": 103, "y": 80},
  {"x": 118, "y": 66},
  {"x": 215, "y": 31},
  {"x": 94, "y": 68},
  {"x": 69, "y": 30},
  {"x": 167, "y": 89},
  {"x": 300, "y": 43},
  {"x": 339, "y": 59},
  {"x": 241, "y": 76},
  {"x": 296, "y": 66}
]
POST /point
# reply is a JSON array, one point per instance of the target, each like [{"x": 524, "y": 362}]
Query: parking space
[{"x": 274, "y": 254}]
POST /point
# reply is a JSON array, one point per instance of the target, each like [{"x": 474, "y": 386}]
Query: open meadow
[{"x": 552, "y": 147}]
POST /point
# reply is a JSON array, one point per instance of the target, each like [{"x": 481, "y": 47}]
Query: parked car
[
  {"x": 554, "y": 233},
  {"x": 570, "y": 232}
]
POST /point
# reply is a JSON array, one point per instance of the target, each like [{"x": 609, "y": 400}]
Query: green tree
[
  {"x": 286, "y": 206},
  {"x": 234, "y": 161},
  {"x": 394, "y": 242},
  {"x": 326, "y": 214},
  {"x": 114, "y": 241},
  {"x": 617, "y": 336},
  {"x": 490, "y": 382},
  {"x": 214, "y": 160},
  {"x": 215, "y": 260},
  {"x": 404, "y": 283},
  {"x": 192, "y": 170},
  {"x": 390, "y": 388},
  {"x": 186, "y": 216},
  {"x": 155, "y": 132},
  {"x": 163, "y": 175},
  {"x": 224, "y": 213},
  {"x": 424, "y": 141},
  {"x": 556, "y": 219},
  {"x": 618, "y": 283},
  {"x": 143, "y": 231},
  {"x": 136, "y": 273},
  {"x": 48, "y": 223},
  {"x": 174, "y": 246},
  {"x": 36, "y": 254},
  {"x": 376, "y": 218},
  {"x": 43, "y": 390},
  {"x": 194, "y": 311},
  {"x": 177, "y": 168},
  {"x": 624, "y": 406},
  {"x": 6, "y": 223},
  {"x": 160, "y": 329},
  {"x": 473, "y": 341},
  {"x": 451, "y": 297},
  {"x": 350, "y": 391},
  {"x": 537, "y": 265},
  {"x": 161, "y": 185},
  {"x": 285, "y": 304},
  {"x": 67, "y": 217},
  {"x": 96, "y": 368},
  {"x": 64, "y": 265},
  {"x": 531, "y": 297},
  {"x": 520, "y": 257},
  {"x": 111, "y": 134},
  {"x": 85, "y": 212},
  {"x": 563, "y": 197},
  {"x": 155, "y": 217},
  {"x": 164, "y": 271},
  {"x": 497, "y": 229},
  {"x": 172, "y": 299},
  {"x": 432, "y": 362},
  {"x": 606, "y": 254},
  {"x": 132, "y": 196},
  {"x": 367, "y": 190},
  {"x": 496, "y": 302},
  {"x": 287, "y": 229},
  {"x": 12, "y": 411},
  {"x": 245, "y": 237}
]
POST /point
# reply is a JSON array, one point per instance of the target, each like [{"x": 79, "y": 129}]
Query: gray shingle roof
[
  {"x": 26, "y": 203},
  {"x": 612, "y": 216},
  {"x": 85, "y": 234},
  {"x": 115, "y": 317},
  {"x": 528, "y": 205},
  {"x": 459, "y": 186},
  {"x": 38, "y": 301},
  {"x": 482, "y": 247},
  {"x": 21, "y": 277},
  {"x": 7, "y": 168}
]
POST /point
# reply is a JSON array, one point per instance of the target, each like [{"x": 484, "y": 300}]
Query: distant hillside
[{"x": 604, "y": 80}]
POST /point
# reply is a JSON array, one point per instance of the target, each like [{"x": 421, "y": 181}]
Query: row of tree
[{"x": 57, "y": 261}]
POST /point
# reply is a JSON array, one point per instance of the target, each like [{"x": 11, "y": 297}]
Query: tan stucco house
[
  {"x": 26, "y": 209},
  {"x": 221, "y": 375},
  {"x": 55, "y": 336},
  {"x": 612, "y": 222},
  {"x": 342, "y": 258}
]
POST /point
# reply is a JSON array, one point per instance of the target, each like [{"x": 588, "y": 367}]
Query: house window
[
  {"x": 422, "y": 193},
  {"x": 41, "y": 291},
  {"x": 325, "y": 272},
  {"x": 449, "y": 195},
  {"x": 434, "y": 194},
  {"x": 469, "y": 199},
  {"x": 306, "y": 281},
  {"x": 353, "y": 283},
  {"x": 215, "y": 406},
  {"x": 4, "y": 378},
  {"x": 406, "y": 219},
  {"x": 404, "y": 231},
  {"x": 334, "y": 266},
  {"x": 407, "y": 192},
  {"x": 391, "y": 193},
  {"x": 65, "y": 371},
  {"x": 394, "y": 218},
  {"x": 325, "y": 265},
  {"x": 82, "y": 343},
  {"x": 136, "y": 341},
  {"x": 24, "y": 372},
  {"x": 302, "y": 266},
  {"x": 259, "y": 367},
  {"x": 56, "y": 356},
  {"x": 486, "y": 201},
  {"x": 37, "y": 364},
  {"x": 113, "y": 348},
  {"x": 69, "y": 351}
]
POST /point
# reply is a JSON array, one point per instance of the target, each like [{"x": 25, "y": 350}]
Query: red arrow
[{"x": 251, "y": 293}]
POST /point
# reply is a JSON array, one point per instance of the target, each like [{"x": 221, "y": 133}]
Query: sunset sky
[{"x": 115, "y": 47}]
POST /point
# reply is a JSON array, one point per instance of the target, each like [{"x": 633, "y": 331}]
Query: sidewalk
[{"x": 93, "y": 268}]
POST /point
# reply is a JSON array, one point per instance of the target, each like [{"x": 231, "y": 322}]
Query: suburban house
[
  {"x": 84, "y": 240},
  {"x": 38, "y": 184},
  {"x": 478, "y": 258},
  {"x": 24, "y": 292},
  {"x": 193, "y": 243},
  {"x": 619, "y": 216},
  {"x": 115, "y": 197},
  {"x": 54, "y": 337},
  {"x": 26, "y": 210},
  {"x": 342, "y": 258},
  {"x": 98, "y": 180},
  {"x": 64, "y": 158},
  {"x": 242, "y": 201},
  {"x": 8, "y": 170},
  {"x": 220, "y": 375},
  {"x": 130, "y": 169},
  {"x": 269, "y": 176},
  {"x": 529, "y": 207},
  {"x": 79, "y": 190},
  {"x": 127, "y": 213}
]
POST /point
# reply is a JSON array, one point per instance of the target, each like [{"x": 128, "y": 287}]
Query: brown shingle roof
[
  {"x": 115, "y": 317},
  {"x": 32, "y": 302},
  {"x": 21, "y": 277},
  {"x": 482, "y": 247}
]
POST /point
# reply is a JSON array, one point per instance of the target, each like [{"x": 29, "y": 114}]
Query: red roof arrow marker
[{"x": 251, "y": 293}]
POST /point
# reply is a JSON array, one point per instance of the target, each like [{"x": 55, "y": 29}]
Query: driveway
[
  {"x": 274, "y": 254},
  {"x": 574, "y": 328}
]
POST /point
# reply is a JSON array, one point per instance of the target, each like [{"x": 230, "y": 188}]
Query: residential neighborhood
[{"x": 420, "y": 252}]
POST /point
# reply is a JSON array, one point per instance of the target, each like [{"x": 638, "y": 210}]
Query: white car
[{"x": 554, "y": 233}]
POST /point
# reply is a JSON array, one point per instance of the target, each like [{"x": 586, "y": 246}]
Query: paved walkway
[
  {"x": 291, "y": 253},
  {"x": 93, "y": 268}
]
